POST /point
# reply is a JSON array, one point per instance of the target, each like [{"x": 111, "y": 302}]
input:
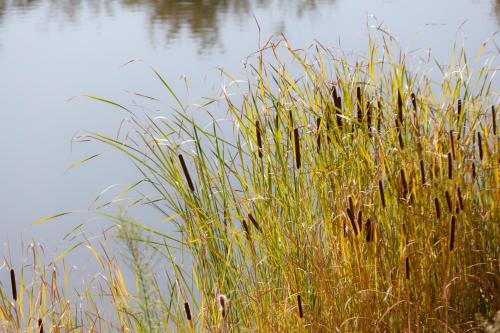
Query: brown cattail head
[
  {"x": 359, "y": 104},
  {"x": 452, "y": 232},
  {"x": 187, "y": 310},
  {"x": 352, "y": 219},
  {"x": 400, "y": 108},
  {"x": 381, "y": 191},
  {"x": 223, "y": 304},
  {"x": 297, "y": 147},
  {"x": 494, "y": 119},
  {"x": 438, "y": 208},
  {"x": 186, "y": 172},
  {"x": 13, "y": 284},
  {"x": 259, "y": 137},
  {"x": 299, "y": 303},
  {"x": 450, "y": 166},
  {"x": 448, "y": 201},
  {"x": 422, "y": 172},
  {"x": 404, "y": 184},
  {"x": 400, "y": 136},
  {"x": 360, "y": 220},
  {"x": 40, "y": 325},
  {"x": 459, "y": 108},
  {"x": 254, "y": 222},
  {"x": 369, "y": 118},
  {"x": 480, "y": 145},
  {"x": 452, "y": 144},
  {"x": 407, "y": 261},
  {"x": 414, "y": 101},
  {"x": 351, "y": 203},
  {"x": 247, "y": 231},
  {"x": 473, "y": 167},
  {"x": 370, "y": 230},
  {"x": 460, "y": 199}
]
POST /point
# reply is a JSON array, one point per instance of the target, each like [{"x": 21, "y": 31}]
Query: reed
[{"x": 401, "y": 269}]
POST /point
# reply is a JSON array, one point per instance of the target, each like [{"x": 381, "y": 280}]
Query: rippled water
[{"x": 54, "y": 50}]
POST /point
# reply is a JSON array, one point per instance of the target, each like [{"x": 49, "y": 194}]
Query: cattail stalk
[
  {"x": 297, "y": 147},
  {"x": 13, "y": 284},
  {"x": 299, "y": 303},
  {"x": 359, "y": 105},
  {"x": 369, "y": 118},
  {"x": 259, "y": 137},
  {"x": 187, "y": 310},
  {"x": 318, "y": 139},
  {"x": 186, "y": 172}
]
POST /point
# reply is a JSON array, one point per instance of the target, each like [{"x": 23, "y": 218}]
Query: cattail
[
  {"x": 186, "y": 172},
  {"x": 422, "y": 171},
  {"x": 40, "y": 325},
  {"x": 350, "y": 214},
  {"x": 259, "y": 137},
  {"x": 438, "y": 208},
  {"x": 318, "y": 140},
  {"x": 414, "y": 101},
  {"x": 450, "y": 166},
  {"x": 338, "y": 105},
  {"x": 452, "y": 233},
  {"x": 448, "y": 201},
  {"x": 254, "y": 222},
  {"x": 297, "y": 147},
  {"x": 223, "y": 305},
  {"x": 460, "y": 200},
  {"x": 452, "y": 143},
  {"x": 494, "y": 118},
  {"x": 360, "y": 220},
  {"x": 369, "y": 230},
  {"x": 187, "y": 310},
  {"x": 480, "y": 145},
  {"x": 400, "y": 108},
  {"x": 381, "y": 191},
  {"x": 13, "y": 284},
  {"x": 359, "y": 105},
  {"x": 351, "y": 203},
  {"x": 404, "y": 183},
  {"x": 459, "y": 108},
  {"x": 299, "y": 303},
  {"x": 407, "y": 268},
  {"x": 247, "y": 231},
  {"x": 473, "y": 170}
]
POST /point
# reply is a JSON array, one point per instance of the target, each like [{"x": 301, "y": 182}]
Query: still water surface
[{"x": 54, "y": 50}]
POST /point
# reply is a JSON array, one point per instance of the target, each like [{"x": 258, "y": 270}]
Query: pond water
[{"x": 53, "y": 51}]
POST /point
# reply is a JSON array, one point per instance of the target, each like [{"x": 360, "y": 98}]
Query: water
[{"x": 52, "y": 52}]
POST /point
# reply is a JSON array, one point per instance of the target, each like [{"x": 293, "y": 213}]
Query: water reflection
[{"x": 201, "y": 18}]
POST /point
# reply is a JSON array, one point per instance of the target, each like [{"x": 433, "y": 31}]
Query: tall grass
[{"x": 351, "y": 196}]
